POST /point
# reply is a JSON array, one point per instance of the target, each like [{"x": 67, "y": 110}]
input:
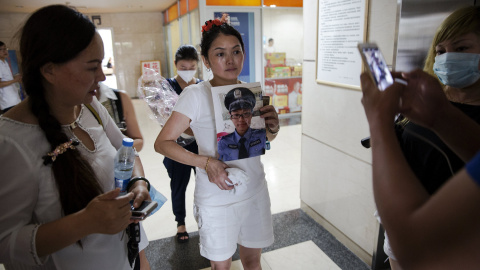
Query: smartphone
[
  {"x": 377, "y": 66},
  {"x": 143, "y": 210},
  {"x": 266, "y": 100}
]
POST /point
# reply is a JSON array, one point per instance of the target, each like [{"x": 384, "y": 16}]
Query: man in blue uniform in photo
[{"x": 244, "y": 142}]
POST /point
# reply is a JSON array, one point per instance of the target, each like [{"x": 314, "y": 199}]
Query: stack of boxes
[
  {"x": 276, "y": 67},
  {"x": 296, "y": 71},
  {"x": 280, "y": 80}
]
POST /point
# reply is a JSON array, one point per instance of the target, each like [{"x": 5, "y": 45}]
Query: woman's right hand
[
  {"x": 423, "y": 100},
  {"x": 217, "y": 174},
  {"x": 109, "y": 213}
]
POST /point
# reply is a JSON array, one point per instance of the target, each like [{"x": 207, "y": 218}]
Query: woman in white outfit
[
  {"x": 224, "y": 219},
  {"x": 58, "y": 205}
]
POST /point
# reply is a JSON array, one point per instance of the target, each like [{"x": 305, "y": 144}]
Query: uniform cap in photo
[{"x": 239, "y": 98}]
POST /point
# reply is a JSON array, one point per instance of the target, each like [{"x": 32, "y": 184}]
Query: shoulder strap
[
  {"x": 119, "y": 105},
  {"x": 95, "y": 114}
]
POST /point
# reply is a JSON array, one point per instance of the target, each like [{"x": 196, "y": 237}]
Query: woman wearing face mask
[
  {"x": 454, "y": 59},
  {"x": 186, "y": 62}
]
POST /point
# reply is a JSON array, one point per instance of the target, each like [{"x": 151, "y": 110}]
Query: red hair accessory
[{"x": 210, "y": 23}]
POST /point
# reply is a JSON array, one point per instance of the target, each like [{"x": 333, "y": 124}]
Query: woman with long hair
[{"x": 58, "y": 205}]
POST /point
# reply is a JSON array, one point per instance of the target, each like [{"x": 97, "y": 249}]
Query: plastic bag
[
  {"x": 160, "y": 97},
  {"x": 155, "y": 195}
]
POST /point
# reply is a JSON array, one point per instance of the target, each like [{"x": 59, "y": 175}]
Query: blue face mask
[{"x": 457, "y": 70}]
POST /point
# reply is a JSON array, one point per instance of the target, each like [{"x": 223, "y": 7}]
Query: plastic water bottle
[{"x": 124, "y": 161}]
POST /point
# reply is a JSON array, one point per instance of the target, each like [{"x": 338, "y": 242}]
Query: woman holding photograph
[{"x": 225, "y": 219}]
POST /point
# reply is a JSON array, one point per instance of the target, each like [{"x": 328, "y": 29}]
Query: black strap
[
  {"x": 118, "y": 104},
  {"x": 133, "y": 231}
]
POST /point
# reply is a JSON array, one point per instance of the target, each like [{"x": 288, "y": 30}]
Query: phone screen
[{"x": 377, "y": 65}]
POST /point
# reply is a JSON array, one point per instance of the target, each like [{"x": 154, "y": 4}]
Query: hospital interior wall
[{"x": 336, "y": 187}]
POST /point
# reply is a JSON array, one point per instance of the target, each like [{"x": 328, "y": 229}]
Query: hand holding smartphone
[
  {"x": 377, "y": 66},
  {"x": 143, "y": 210}
]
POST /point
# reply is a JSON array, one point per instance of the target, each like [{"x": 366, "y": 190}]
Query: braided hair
[{"x": 57, "y": 34}]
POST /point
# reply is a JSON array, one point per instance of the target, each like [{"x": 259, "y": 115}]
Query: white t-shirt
[
  {"x": 196, "y": 103},
  {"x": 9, "y": 94},
  {"x": 29, "y": 195},
  {"x": 269, "y": 49}
]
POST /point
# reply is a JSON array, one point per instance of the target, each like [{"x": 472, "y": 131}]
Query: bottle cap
[{"x": 127, "y": 142}]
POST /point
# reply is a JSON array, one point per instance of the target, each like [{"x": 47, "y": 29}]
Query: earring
[{"x": 208, "y": 69}]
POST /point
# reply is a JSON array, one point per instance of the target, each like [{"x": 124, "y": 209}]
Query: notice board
[{"x": 341, "y": 26}]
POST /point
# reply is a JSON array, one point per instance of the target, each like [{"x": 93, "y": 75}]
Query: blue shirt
[
  {"x": 228, "y": 146},
  {"x": 473, "y": 168}
]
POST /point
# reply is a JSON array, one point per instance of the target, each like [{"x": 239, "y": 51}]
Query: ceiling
[{"x": 88, "y": 6}]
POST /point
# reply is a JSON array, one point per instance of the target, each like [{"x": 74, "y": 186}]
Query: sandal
[{"x": 182, "y": 234}]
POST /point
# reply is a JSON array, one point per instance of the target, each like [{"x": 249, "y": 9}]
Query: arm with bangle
[
  {"x": 272, "y": 124},
  {"x": 139, "y": 188},
  {"x": 165, "y": 144}
]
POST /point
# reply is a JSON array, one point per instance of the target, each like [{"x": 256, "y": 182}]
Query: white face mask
[
  {"x": 457, "y": 70},
  {"x": 186, "y": 75}
]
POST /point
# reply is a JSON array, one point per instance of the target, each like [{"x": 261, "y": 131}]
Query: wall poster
[
  {"x": 341, "y": 26},
  {"x": 153, "y": 64}
]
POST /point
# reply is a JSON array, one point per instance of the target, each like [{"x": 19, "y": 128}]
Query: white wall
[
  {"x": 336, "y": 170},
  {"x": 10, "y": 23},
  {"x": 285, "y": 26},
  {"x": 136, "y": 37}
]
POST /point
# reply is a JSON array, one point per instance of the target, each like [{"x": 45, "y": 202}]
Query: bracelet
[
  {"x": 271, "y": 131},
  {"x": 206, "y": 165},
  {"x": 138, "y": 178}
]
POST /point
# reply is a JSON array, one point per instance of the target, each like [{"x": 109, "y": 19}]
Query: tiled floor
[
  {"x": 290, "y": 229},
  {"x": 303, "y": 256}
]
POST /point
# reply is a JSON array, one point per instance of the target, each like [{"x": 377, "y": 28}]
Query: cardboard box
[
  {"x": 282, "y": 72},
  {"x": 275, "y": 59}
]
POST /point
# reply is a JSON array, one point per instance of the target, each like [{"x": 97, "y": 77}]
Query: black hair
[
  {"x": 209, "y": 36},
  {"x": 57, "y": 34},
  {"x": 270, "y": 39},
  {"x": 2, "y": 43},
  {"x": 186, "y": 52}
]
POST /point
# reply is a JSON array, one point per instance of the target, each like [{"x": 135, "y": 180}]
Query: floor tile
[
  {"x": 303, "y": 256},
  {"x": 237, "y": 265}
]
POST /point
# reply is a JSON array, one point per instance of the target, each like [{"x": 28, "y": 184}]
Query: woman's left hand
[{"x": 271, "y": 117}]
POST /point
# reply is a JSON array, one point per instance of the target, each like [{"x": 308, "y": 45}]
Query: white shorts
[
  {"x": 386, "y": 242},
  {"x": 221, "y": 228}
]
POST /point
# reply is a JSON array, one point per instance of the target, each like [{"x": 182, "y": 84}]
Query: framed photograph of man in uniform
[{"x": 240, "y": 129}]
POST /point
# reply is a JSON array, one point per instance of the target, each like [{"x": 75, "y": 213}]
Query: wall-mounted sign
[
  {"x": 341, "y": 26},
  {"x": 153, "y": 64}
]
